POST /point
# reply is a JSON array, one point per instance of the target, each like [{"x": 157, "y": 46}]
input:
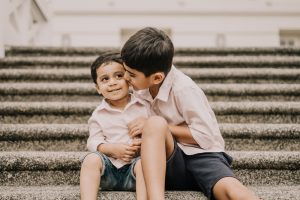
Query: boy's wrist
[{"x": 105, "y": 148}]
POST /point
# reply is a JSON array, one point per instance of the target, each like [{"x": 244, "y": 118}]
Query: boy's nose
[{"x": 112, "y": 81}]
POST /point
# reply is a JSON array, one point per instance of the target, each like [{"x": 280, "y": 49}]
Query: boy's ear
[
  {"x": 98, "y": 89},
  {"x": 158, "y": 77}
]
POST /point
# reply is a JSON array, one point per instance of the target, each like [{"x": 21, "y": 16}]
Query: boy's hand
[
  {"x": 136, "y": 143},
  {"x": 125, "y": 152},
  {"x": 136, "y": 126}
]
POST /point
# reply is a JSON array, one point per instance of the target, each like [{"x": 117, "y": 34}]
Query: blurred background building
[{"x": 190, "y": 23}]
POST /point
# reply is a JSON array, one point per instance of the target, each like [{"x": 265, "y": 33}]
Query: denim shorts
[
  {"x": 112, "y": 178},
  {"x": 199, "y": 172}
]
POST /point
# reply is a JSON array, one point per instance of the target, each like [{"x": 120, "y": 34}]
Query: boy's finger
[
  {"x": 136, "y": 148},
  {"x": 128, "y": 155},
  {"x": 136, "y": 142},
  {"x": 130, "y": 150},
  {"x": 135, "y": 133},
  {"x": 126, "y": 159},
  {"x": 134, "y": 127}
]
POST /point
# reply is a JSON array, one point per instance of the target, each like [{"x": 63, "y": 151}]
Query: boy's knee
[
  {"x": 92, "y": 160},
  {"x": 241, "y": 192},
  {"x": 233, "y": 190},
  {"x": 156, "y": 122}
]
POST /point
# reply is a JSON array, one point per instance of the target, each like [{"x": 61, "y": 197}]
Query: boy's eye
[
  {"x": 119, "y": 75},
  {"x": 104, "y": 79}
]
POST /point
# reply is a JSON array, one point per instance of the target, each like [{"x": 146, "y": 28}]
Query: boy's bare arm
[
  {"x": 120, "y": 151},
  {"x": 182, "y": 133}
]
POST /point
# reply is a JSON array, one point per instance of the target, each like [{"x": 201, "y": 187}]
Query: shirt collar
[{"x": 107, "y": 106}]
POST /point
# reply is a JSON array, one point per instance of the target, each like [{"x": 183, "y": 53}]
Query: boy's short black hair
[
  {"x": 104, "y": 58},
  {"x": 149, "y": 50}
]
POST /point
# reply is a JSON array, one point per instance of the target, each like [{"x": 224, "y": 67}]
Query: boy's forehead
[{"x": 110, "y": 67}]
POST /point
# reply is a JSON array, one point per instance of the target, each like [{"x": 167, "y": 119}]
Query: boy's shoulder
[
  {"x": 99, "y": 107},
  {"x": 181, "y": 81}
]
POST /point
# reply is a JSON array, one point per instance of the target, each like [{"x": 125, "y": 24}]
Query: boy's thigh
[
  {"x": 177, "y": 176},
  {"x": 208, "y": 168}
]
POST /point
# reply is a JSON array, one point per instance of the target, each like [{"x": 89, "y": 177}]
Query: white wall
[
  {"x": 3, "y": 25},
  {"x": 193, "y": 23}
]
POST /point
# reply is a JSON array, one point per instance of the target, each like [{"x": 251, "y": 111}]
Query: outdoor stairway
[{"x": 47, "y": 96}]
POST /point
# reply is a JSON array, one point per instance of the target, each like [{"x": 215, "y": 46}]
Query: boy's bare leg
[
  {"x": 157, "y": 146},
  {"x": 141, "y": 193},
  {"x": 90, "y": 176},
  {"x": 229, "y": 188}
]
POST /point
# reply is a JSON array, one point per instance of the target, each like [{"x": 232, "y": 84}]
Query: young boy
[
  {"x": 114, "y": 162},
  {"x": 186, "y": 134}
]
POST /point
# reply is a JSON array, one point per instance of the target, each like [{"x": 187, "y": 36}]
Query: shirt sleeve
[
  {"x": 197, "y": 113},
  {"x": 96, "y": 136}
]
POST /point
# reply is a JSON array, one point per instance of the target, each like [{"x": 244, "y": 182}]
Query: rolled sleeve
[
  {"x": 197, "y": 113},
  {"x": 96, "y": 136}
]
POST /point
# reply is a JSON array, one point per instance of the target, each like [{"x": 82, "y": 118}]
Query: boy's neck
[
  {"x": 119, "y": 104},
  {"x": 154, "y": 90}
]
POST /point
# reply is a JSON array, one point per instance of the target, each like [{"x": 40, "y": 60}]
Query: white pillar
[{"x": 23, "y": 21}]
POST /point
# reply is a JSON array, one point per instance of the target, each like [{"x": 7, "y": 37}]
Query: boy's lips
[{"x": 114, "y": 90}]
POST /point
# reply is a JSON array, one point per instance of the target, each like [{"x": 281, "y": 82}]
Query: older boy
[
  {"x": 186, "y": 135},
  {"x": 114, "y": 162}
]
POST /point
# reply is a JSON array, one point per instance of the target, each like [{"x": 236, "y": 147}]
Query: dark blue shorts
[
  {"x": 112, "y": 178},
  {"x": 198, "y": 172}
]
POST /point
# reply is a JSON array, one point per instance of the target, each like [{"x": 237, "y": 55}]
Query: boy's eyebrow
[{"x": 103, "y": 75}]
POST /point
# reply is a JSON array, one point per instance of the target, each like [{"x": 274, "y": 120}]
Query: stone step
[
  {"x": 79, "y": 112},
  {"x": 72, "y": 192},
  {"x": 79, "y": 51},
  {"x": 78, "y": 91},
  {"x": 73, "y": 137},
  {"x": 201, "y": 75},
  {"x": 62, "y": 168},
  {"x": 182, "y": 61}
]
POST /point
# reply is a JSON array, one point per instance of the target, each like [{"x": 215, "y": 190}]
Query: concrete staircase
[{"x": 47, "y": 96}]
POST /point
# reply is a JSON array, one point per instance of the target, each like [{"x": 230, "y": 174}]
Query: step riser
[
  {"x": 80, "y": 145},
  {"x": 39, "y": 178},
  {"x": 262, "y": 145},
  {"x": 78, "y": 118},
  {"x": 72, "y": 192},
  {"x": 73, "y": 51},
  {"x": 288, "y": 80},
  {"x": 96, "y": 98},
  {"x": 71, "y": 65},
  {"x": 44, "y": 145}
]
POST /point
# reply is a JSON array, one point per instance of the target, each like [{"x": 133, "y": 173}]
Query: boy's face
[
  {"x": 137, "y": 79},
  {"x": 110, "y": 81}
]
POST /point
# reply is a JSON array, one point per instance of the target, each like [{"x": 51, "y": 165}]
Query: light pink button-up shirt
[
  {"x": 181, "y": 100},
  {"x": 109, "y": 125}
]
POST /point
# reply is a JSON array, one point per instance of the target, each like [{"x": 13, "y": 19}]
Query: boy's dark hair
[
  {"x": 149, "y": 51},
  {"x": 104, "y": 58}
]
